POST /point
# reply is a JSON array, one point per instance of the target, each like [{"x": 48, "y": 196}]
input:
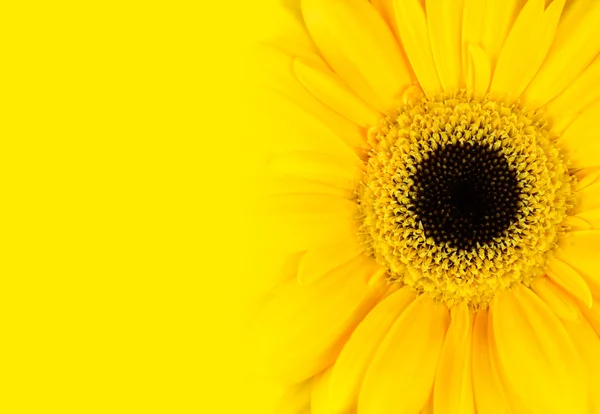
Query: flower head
[{"x": 445, "y": 226}]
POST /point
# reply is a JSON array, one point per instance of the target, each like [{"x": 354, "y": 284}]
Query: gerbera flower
[{"x": 446, "y": 225}]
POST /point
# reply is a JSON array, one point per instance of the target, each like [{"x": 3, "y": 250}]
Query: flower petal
[
  {"x": 412, "y": 27},
  {"x": 580, "y": 141},
  {"x": 350, "y": 368},
  {"x": 278, "y": 184},
  {"x": 385, "y": 8},
  {"x": 310, "y": 204},
  {"x": 525, "y": 48},
  {"x": 536, "y": 355},
  {"x": 498, "y": 18},
  {"x": 329, "y": 89},
  {"x": 444, "y": 19},
  {"x": 591, "y": 217},
  {"x": 585, "y": 178},
  {"x": 360, "y": 48},
  {"x": 295, "y": 399},
  {"x": 575, "y": 99},
  {"x": 315, "y": 125},
  {"x": 428, "y": 409},
  {"x": 302, "y": 328},
  {"x": 336, "y": 171},
  {"x": 453, "y": 390},
  {"x": 567, "y": 277},
  {"x": 472, "y": 25},
  {"x": 306, "y": 230},
  {"x": 319, "y": 261},
  {"x": 512, "y": 399},
  {"x": 588, "y": 346},
  {"x": 576, "y": 44},
  {"x": 593, "y": 315},
  {"x": 487, "y": 389},
  {"x": 479, "y": 72},
  {"x": 579, "y": 249},
  {"x": 319, "y": 396},
  {"x": 587, "y": 192},
  {"x": 402, "y": 373},
  {"x": 556, "y": 299},
  {"x": 576, "y": 223}
]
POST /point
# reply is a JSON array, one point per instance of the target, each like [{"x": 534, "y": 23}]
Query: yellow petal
[
  {"x": 278, "y": 184},
  {"x": 487, "y": 389},
  {"x": 302, "y": 328},
  {"x": 591, "y": 217},
  {"x": 314, "y": 124},
  {"x": 385, "y": 8},
  {"x": 514, "y": 55},
  {"x": 379, "y": 276},
  {"x": 351, "y": 366},
  {"x": 401, "y": 375},
  {"x": 319, "y": 396},
  {"x": 575, "y": 99},
  {"x": 428, "y": 409},
  {"x": 319, "y": 261},
  {"x": 588, "y": 346},
  {"x": 453, "y": 390},
  {"x": 307, "y": 232},
  {"x": 479, "y": 72},
  {"x": 579, "y": 249},
  {"x": 514, "y": 401},
  {"x": 336, "y": 171},
  {"x": 290, "y": 266},
  {"x": 291, "y": 34},
  {"x": 412, "y": 27},
  {"x": 329, "y": 89},
  {"x": 295, "y": 399},
  {"x": 564, "y": 275},
  {"x": 525, "y": 48},
  {"x": 498, "y": 18},
  {"x": 310, "y": 204},
  {"x": 360, "y": 48},
  {"x": 575, "y": 223},
  {"x": 300, "y": 231},
  {"x": 576, "y": 44},
  {"x": 586, "y": 177},
  {"x": 536, "y": 355},
  {"x": 444, "y": 19},
  {"x": 472, "y": 25},
  {"x": 580, "y": 141},
  {"x": 587, "y": 192},
  {"x": 276, "y": 272},
  {"x": 593, "y": 315},
  {"x": 556, "y": 299}
]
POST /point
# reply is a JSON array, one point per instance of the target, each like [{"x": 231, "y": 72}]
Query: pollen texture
[{"x": 462, "y": 197}]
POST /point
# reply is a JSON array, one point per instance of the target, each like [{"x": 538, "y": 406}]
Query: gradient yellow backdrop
[{"x": 128, "y": 163}]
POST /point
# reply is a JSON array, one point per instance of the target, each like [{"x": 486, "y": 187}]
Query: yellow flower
[{"x": 446, "y": 224}]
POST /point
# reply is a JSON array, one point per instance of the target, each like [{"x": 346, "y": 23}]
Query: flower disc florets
[{"x": 462, "y": 197}]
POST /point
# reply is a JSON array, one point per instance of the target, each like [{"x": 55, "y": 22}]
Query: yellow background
[{"x": 127, "y": 162}]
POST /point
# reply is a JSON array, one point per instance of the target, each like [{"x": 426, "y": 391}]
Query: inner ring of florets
[{"x": 462, "y": 197}]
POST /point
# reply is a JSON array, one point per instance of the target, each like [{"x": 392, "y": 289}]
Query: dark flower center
[{"x": 465, "y": 194}]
